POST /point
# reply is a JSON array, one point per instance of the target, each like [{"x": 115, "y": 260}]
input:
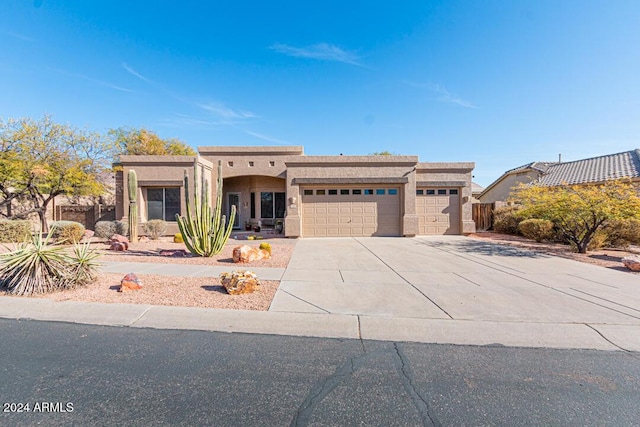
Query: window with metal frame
[{"x": 163, "y": 203}]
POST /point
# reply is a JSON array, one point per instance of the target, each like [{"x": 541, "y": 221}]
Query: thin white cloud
[
  {"x": 225, "y": 112},
  {"x": 135, "y": 73},
  {"x": 96, "y": 81},
  {"x": 183, "y": 120},
  {"x": 319, "y": 51},
  {"x": 266, "y": 137},
  {"x": 19, "y": 36},
  {"x": 443, "y": 95}
]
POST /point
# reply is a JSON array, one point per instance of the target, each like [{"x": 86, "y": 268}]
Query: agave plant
[{"x": 37, "y": 267}]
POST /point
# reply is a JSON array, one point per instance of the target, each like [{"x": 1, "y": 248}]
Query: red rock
[
  {"x": 119, "y": 238},
  {"x": 632, "y": 262},
  {"x": 119, "y": 246},
  {"x": 130, "y": 282},
  {"x": 244, "y": 254},
  {"x": 88, "y": 234}
]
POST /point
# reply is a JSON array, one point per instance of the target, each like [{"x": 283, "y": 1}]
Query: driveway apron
[{"x": 454, "y": 278}]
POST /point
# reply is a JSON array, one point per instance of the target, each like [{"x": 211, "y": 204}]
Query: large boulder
[
  {"x": 239, "y": 282},
  {"x": 244, "y": 254},
  {"x": 130, "y": 282},
  {"x": 632, "y": 262}
]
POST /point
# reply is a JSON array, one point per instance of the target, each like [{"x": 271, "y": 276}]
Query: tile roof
[
  {"x": 539, "y": 166},
  {"x": 595, "y": 169}
]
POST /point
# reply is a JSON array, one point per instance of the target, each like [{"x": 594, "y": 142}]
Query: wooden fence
[{"x": 482, "y": 214}]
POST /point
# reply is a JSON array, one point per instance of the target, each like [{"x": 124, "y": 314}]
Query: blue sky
[{"x": 500, "y": 83}]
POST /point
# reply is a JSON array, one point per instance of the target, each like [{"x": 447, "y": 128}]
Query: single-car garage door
[
  {"x": 353, "y": 211},
  {"x": 438, "y": 210}
]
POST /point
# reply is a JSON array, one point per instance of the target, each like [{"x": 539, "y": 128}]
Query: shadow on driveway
[{"x": 482, "y": 248}]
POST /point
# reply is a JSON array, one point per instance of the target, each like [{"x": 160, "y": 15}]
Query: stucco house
[
  {"x": 314, "y": 196},
  {"x": 586, "y": 171}
]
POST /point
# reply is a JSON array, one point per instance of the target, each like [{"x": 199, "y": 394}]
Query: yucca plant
[
  {"x": 83, "y": 264},
  {"x": 36, "y": 266}
]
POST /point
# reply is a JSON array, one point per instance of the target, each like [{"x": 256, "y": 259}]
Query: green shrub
[
  {"x": 105, "y": 229},
  {"x": 155, "y": 228},
  {"x": 537, "y": 229},
  {"x": 14, "y": 231},
  {"x": 67, "y": 231},
  {"x": 505, "y": 220},
  {"x": 37, "y": 267},
  {"x": 622, "y": 232},
  {"x": 177, "y": 238},
  {"x": 266, "y": 246},
  {"x": 122, "y": 227}
]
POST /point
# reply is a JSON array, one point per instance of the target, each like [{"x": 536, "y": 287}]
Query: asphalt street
[{"x": 135, "y": 376}]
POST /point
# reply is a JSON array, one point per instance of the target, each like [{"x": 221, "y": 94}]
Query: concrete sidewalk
[{"x": 452, "y": 290}]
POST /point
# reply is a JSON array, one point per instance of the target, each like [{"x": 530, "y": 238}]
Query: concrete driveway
[{"x": 454, "y": 278}]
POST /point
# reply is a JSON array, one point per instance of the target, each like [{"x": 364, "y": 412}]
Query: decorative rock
[
  {"x": 119, "y": 246},
  {"x": 239, "y": 282},
  {"x": 176, "y": 253},
  {"x": 632, "y": 262},
  {"x": 244, "y": 254},
  {"x": 88, "y": 234},
  {"x": 119, "y": 238},
  {"x": 130, "y": 282}
]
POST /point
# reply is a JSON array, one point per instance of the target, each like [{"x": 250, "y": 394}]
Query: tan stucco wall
[
  {"x": 500, "y": 190},
  {"x": 451, "y": 174},
  {"x": 247, "y": 161},
  {"x": 157, "y": 171},
  {"x": 349, "y": 169}
]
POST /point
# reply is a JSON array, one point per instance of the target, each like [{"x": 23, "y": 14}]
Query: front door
[{"x": 234, "y": 200}]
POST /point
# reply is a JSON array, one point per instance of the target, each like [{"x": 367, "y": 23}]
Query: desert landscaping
[{"x": 208, "y": 292}]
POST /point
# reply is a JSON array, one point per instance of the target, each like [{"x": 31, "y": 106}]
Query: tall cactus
[
  {"x": 132, "y": 184},
  {"x": 205, "y": 231}
]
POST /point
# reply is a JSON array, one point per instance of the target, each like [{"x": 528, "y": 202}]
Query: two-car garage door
[
  {"x": 376, "y": 211},
  {"x": 352, "y": 211}
]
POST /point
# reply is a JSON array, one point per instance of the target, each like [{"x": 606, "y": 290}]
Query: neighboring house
[
  {"x": 476, "y": 189},
  {"x": 315, "y": 196},
  {"x": 586, "y": 171}
]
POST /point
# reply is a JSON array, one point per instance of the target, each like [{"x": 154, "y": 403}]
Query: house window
[
  {"x": 272, "y": 205},
  {"x": 253, "y": 205},
  {"x": 251, "y": 164},
  {"x": 163, "y": 203},
  {"x": 230, "y": 164},
  {"x": 272, "y": 163}
]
